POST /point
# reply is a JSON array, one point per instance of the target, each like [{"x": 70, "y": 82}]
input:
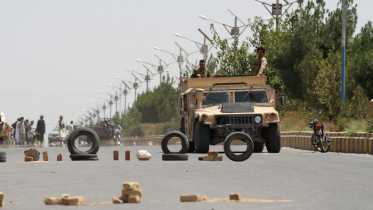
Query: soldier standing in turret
[{"x": 260, "y": 63}]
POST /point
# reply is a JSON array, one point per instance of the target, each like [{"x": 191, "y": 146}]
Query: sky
[{"x": 57, "y": 55}]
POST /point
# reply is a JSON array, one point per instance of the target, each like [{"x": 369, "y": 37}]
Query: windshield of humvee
[
  {"x": 215, "y": 98},
  {"x": 253, "y": 96}
]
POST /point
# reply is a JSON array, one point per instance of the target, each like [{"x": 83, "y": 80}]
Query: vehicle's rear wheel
[
  {"x": 258, "y": 147},
  {"x": 201, "y": 138},
  {"x": 274, "y": 142},
  {"x": 242, "y": 137},
  {"x": 191, "y": 147}
]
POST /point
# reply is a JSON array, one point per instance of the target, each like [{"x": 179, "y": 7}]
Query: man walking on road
[
  {"x": 20, "y": 132},
  {"x": 70, "y": 128},
  {"x": 61, "y": 129},
  {"x": 260, "y": 63},
  {"x": 40, "y": 130}
]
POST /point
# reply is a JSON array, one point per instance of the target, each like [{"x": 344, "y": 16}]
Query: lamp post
[
  {"x": 277, "y": 9},
  {"x": 116, "y": 98},
  {"x": 126, "y": 90},
  {"x": 159, "y": 68},
  {"x": 99, "y": 105},
  {"x": 146, "y": 76},
  {"x": 110, "y": 102},
  {"x": 179, "y": 58},
  {"x": 135, "y": 84},
  {"x": 203, "y": 48}
]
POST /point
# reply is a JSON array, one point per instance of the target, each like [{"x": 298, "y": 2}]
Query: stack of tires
[
  {"x": 76, "y": 154},
  {"x": 175, "y": 156}
]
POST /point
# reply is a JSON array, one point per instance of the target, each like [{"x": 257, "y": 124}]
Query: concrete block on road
[
  {"x": 134, "y": 199},
  {"x": 59, "y": 157},
  {"x": 1, "y": 196},
  {"x": 208, "y": 158},
  {"x": 117, "y": 200},
  {"x": 72, "y": 200},
  {"x": 213, "y": 153},
  {"x": 29, "y": 159},
  {"x": 52, "y": 201},
  {"x": 218, "y": 158},
  {"x": 33, "y": 153},
  {"x": 128, "y": 155},
  {"x": 116, "y": 155},
  {"x": 2, "y": 203},
  {"x": 190, "y": 198},
  {"x": 131, "y": 185},
  {"x": 124, "y": 199},
  {"x": 45, "y": 156},
  {"x": 65, "y": 195},
  {"x": 143, "y": 158},
  {"x": 234, "y": 197}
]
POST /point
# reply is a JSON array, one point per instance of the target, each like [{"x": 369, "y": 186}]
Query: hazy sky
[{"x": 56, "y": 55}]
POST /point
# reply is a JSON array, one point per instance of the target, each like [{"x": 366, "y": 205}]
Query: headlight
[{"x": 258, "y": 119}]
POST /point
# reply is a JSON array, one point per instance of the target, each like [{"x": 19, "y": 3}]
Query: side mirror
[{"x": 283, "y": 99}]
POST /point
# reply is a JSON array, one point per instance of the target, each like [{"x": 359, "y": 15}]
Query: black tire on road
[
  {"x": 191, "y": 147},
  {"x": 201, "y": 138},
  {"x": 258, "y": 147},
  {"x": 238, "y": 136},
  {"x": 174, "y": 157},
  {"x": 2, "y": 156},
  {"x": 79, "y": 157},
  {"x": 83, "y": 132},
  {"x": 274, "y": 142},
  {"x": 178, "y": 134}
]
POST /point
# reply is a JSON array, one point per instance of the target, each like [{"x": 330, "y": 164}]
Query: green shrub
[
  {"x": 356, "y": 126},
  {"x": 170, "y": 126},
  {"x": 135, "y": 130}
]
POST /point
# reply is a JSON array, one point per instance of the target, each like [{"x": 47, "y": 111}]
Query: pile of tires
[
  {"x": 76, "y": 154},
  {"x": 175, "y": 156}
]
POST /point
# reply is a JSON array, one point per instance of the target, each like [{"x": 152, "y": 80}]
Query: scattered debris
[
  {"x": 190, "y": 198},
  {"x": 131, "y": 193},
  {"x": 143, "y": 155},
  {"x": 33, "y": 153},
  {"x": 29, "y": 159},
  {"x": 211, "y": 156},
  {"x": 45, "y": 156},
  {"x": 59, "y": 157},
  {"x": 52, "y": 201},
  {"x": 116, "y": 155},
  {"x": 128, "y": 155},
  {"x": 72, "y": 200}
]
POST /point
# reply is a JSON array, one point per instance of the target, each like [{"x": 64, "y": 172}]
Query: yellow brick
[
  {"x": 52, "y": 201},
  {"x": 131, "y": 185},
  {"x": 72, "y": 200},
  {"x": 218, "y": 158},
  {"x": 1, "y": 203},
  {"x": 117, "y": 200},
  {"x": 134, "y": 199},
  {"x": 208, "y": 158},
  {"x": 212, "y": 153},
  {"x": 1, "y": 196},
  {"x": 130, "y": 192},
  {"x": 124, "y": 199},
  {"x": 235, "y": 196},
  {"x": 64, "y": 195},
  {"x": 190, "y": 198}
]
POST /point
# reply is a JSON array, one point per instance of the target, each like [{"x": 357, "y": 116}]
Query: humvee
[{"x": 213, "y": 108}]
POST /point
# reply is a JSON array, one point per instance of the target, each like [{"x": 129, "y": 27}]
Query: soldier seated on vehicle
[
  {"x": 202, "y": 71},
  {"x": 260, "y": 63}
]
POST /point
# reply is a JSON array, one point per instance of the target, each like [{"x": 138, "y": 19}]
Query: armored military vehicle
[{"x": 225, "y": 109}]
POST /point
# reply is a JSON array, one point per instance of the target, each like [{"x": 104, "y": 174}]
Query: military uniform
[
  {"x": 259, "y": 66},
  {"x": 205, "y": 73}
]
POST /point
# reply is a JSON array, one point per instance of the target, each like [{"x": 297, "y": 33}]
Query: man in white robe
[
  {"x": 20, "y": 132},
  {"x": 61, "y": 129}
]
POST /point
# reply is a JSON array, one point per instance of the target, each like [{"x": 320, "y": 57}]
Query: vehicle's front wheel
[
  {"x": 201, "y": 138},
  {"x": 274, "y": 142}
]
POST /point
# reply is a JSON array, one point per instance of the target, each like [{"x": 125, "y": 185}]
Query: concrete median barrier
[{"x": 360, "y": 142}]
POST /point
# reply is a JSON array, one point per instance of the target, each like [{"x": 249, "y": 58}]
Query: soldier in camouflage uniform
[
  {"x": 202, "y": 71},
  {"x": 260, "y": 63}
]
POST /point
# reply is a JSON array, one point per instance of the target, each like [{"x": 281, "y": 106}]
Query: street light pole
[
  {"x": 126, "y": 90},
  {"x": 159, "y": 68},
  {"x": 277, "y": 9},
  {"x": 203, "y": 48},
  {"x": 343, "y": 54}
]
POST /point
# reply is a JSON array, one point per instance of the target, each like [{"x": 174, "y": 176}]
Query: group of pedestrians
[{"x": 23, "y": 132}]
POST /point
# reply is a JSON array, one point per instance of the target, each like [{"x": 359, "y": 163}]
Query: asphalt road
[{"x": 292, "y": 179}]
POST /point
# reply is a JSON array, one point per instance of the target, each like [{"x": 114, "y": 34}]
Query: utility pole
[
  {"x": 277, "y": 9},
  {"x": 343, "y": 54}
]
